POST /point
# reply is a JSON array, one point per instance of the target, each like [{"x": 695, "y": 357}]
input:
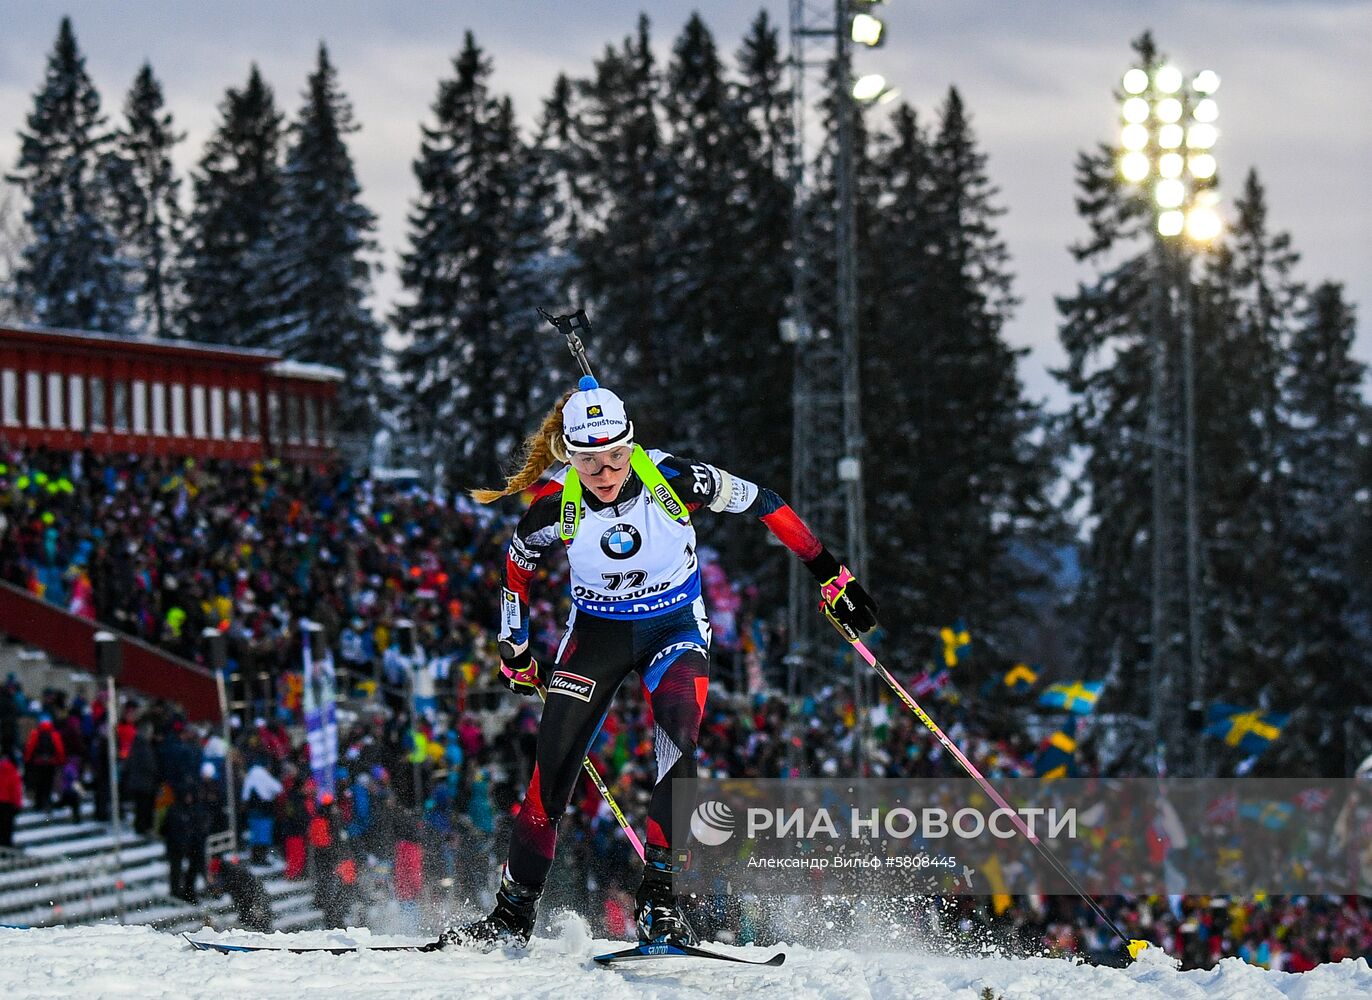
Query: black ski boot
[
  {"x": 659, "y": 918},
  {"x": 511, "y": 923}
]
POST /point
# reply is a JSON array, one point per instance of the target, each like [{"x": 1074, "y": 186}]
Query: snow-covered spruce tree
[
  {"x": 535, "y": 272},
  {"x": 1324, "y": 652},
  {"x": 704, "y": 265},
  {"x": 754, "y": 382},
  {"x": 1247, "y": 302},
  {"x": 472, "y": 357},
  {"x": 557, "y": 161},
  {"x": 144, "y": 193},
  {"x": 13, "y": 239},
  {"x": 324, "y": 252},
  {"x": 1360, "y": 551},
  {"x": 624, "y": 269},
  {"x": 899, "y": 382},
  {"x": 71, "y": 273},
  {"x": 971, "y": 458},
  {"x": 760, "y": 284},
  {"x": 231, "y": 234}
]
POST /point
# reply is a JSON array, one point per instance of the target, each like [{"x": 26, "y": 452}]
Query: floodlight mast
[
  {"x": 1167, "y": 133},
  {"x": 826, "y": 438}
]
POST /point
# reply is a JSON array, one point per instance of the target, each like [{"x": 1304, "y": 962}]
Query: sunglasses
[{"x": 592, "y": 463}]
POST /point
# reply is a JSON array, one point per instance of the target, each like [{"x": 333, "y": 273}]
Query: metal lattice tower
[{"x": 826, "y": 443}]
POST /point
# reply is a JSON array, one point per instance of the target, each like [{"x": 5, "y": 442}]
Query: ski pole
[
  {"x": 599, "y": 782},
  {"x": 1133, "y": 945}
]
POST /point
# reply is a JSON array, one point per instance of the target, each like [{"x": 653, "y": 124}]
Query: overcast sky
[{"x": 1296, "y": 98}]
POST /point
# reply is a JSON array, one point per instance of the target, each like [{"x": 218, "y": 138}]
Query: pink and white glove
[
  {"x": 848, "y": 604},
  {"x": 519, "y": 671}
]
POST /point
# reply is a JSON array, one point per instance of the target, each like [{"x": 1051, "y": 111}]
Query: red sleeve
[
  {"x": 532, "y": 537},
  {"x": 517, "y": 577},
  {"x": 794, "y": 533}
]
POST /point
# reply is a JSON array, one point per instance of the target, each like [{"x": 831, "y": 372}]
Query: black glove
[
  {"x": 848, "y": 604},
  {"x": 519, "y": 671}
]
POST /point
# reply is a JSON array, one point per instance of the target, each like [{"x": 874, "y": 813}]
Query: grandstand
[
  {"x": 72, "y": 389},
  {"x": 125, "y": 515}
]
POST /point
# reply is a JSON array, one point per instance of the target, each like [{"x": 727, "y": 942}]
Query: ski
[
  {"x": 644, "y": 952},
  {"x": 231, "y": 947}
]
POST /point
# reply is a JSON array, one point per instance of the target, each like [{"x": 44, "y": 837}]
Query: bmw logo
[{"x": 621, "y": 541}]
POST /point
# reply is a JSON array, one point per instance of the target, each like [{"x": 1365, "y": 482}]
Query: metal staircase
[{"x": 65, "y": 873}]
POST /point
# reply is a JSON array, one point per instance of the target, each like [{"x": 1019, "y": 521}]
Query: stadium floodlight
[
  {"x": 1171, "y": 222},
  {"x": 1167, "y": 79},
  {"x": 1169, "y": 193},
  {"x": 1203, "y": 223},
  {"x": 1165, "y": 142},
  {"x": 1201, "y": 165},
  {"x": 1134, "y": 137},
  {"x": 1170, "y": 137},
  {"x": 867, "y": 30},
  {"x": 869, "y": 87},
  {"x": 1168, "y": 110},
  {"x": 1201, "y": 136},
  {"x": 1135, "y": 167},
  {"x": 1207, "y": 81},
  {"x": 1135, "y": 110}
]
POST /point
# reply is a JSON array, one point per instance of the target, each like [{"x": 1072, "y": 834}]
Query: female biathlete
[{"x": 624, "y": 515}]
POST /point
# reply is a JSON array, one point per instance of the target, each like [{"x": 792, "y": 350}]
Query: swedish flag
[
  {"x": 1020, "y": 678},
  {"x": 957, "y": 643},
  {"x": 1057, "y": 757},
  {"x": 1273, "y": 815},
  {"x": 1249, "y": 730},
  {"x": 1078, "y": 696}
]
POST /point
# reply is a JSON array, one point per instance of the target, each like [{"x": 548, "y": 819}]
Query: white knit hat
[{"x": 593, "y": 419}]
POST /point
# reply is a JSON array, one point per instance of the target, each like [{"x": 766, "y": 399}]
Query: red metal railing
[{"x": 65, "y": 636}]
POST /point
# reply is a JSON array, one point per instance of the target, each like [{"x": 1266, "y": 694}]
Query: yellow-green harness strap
[
  {"x": 571, "y": 506},
  {"x": 648, "y": 473}
]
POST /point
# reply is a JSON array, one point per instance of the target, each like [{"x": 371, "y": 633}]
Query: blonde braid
[{"x": 541, "y": 449}]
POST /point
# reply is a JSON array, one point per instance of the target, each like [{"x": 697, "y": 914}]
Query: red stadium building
[{"x": 69, "y": 389}]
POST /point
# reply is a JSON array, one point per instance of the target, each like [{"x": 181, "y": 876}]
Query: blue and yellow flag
[
  {"x": 1000, "y": 899},
  {"x": 1057, "y": 757},
  {"x": 957, "y": 643},
  {"x": 1273, "y": 815},
  {"x": 1250, "y": 730},
  {"x": 1074, "y": 696},
  {"x": 1020, "y": 678}
]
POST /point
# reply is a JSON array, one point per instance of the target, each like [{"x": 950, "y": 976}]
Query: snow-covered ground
[{"x": 109, "y": 961}]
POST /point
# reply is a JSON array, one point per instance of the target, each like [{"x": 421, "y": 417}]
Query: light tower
[
  {"x": 823, "y": 322},
  {"x": 1167, "y": 137}
]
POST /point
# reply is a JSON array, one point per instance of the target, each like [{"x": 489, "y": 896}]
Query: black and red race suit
[{"x": 636, "y": 608}]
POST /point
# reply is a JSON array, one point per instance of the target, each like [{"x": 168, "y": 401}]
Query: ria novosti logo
[{"x": 712, "y": 823}]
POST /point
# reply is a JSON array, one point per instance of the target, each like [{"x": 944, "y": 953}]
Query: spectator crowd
[{"x": 421, "y": 802}]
